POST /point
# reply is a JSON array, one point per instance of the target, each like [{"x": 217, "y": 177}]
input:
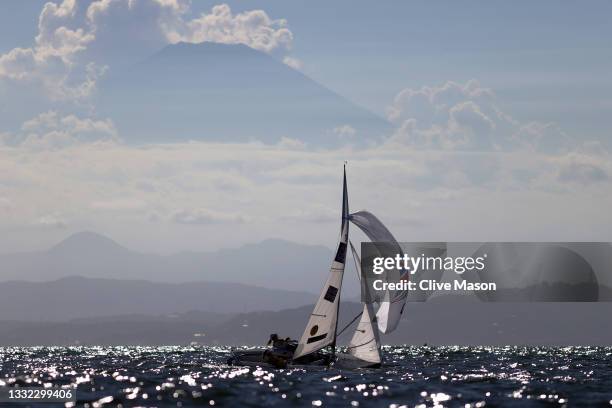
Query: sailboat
[{"x": 317, "y": 345}]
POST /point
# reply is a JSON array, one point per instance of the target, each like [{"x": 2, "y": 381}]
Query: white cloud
[
  {"x": 52, "y": 221},
  {"x": 119, "y": 204},
  {"x": 289, "y": 143},
  {"x": 582, "y": 169},
  {"x": 293, "y": 62},
  {"x": 203, "y": 216},
  {"x": 431, "y": 105},
  {"x": 17, "y": 63},
  {"x": 313, "y": 213},
  {"x": 129, "y": 30},
  {"x": 253, "y": 28},
  {"x": 195, "y": 190},
  {"x": 5, "y": 138},
  {"x": 52, "y": 62},
  {"x": 51, "y": 130},
  {"x": 544, "y": 137},
  {"x": 344, "y": 131},
  {"x": 466, "y": 117}
]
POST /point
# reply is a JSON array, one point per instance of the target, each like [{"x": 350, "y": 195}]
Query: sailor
[
  {"x": 281, "y": 352},
  {"x": 273, "y": 340},
  {"x": 281, "y": 345}
]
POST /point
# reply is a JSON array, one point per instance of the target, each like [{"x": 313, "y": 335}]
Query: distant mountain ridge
[
  {"x": 229, "y": 93},
  {"x": 87, "y": 241},
  {"x": 79, "y": 298},
  {"x": 272, "y": 263},
  {"x": 447, "y": 321}
]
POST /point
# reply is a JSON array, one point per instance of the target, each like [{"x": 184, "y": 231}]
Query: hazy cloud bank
[{"x": 244, "y": 191}]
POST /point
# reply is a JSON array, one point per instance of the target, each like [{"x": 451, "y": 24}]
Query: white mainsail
[
  {"x": 391, "y": 307},
  {"x": 321, "y": 329},
  {"x": 365, "y": 343}
]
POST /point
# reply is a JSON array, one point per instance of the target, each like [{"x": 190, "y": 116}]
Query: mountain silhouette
[
  {"x": 230, "y": 93},
  {"x": 87, "y": 243},
  {"x": 272, "y": 263},
  {"x": 447, "y": 320},
  {"x": 77, "y": 297}
]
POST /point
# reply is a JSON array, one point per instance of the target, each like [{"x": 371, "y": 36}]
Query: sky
[
  {"x": 501, "y": 113},
  {"x": 549, "y": 60}
]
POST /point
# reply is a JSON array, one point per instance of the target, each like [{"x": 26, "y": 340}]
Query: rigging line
[
  {"x": 355, "y": 260},
  {"x": 360, "y": 345},
  {"x": 350, "y": 323}
]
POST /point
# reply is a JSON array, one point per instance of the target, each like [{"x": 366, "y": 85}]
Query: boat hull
[
  {"x": 266, "y": 359},
  {"x": 251, "y": 358},
  {"x": 256, "y": 358},
  {"x": 350, "y": 362}
]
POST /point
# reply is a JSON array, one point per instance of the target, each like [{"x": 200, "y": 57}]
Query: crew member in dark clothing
[{"x": 281, "y": 352}]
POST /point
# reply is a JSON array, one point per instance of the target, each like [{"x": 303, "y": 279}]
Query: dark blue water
[{"x": 412, "y": 376}]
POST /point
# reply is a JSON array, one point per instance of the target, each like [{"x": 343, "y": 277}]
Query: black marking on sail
[
  {"x": 331, "y": 293},
  {"x": 341, "y": 254},
  {"x": 316, "y": 338}
]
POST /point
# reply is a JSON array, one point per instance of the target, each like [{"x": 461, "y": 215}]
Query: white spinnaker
[
  {"x": 391, "y": 307},
  {"x": 323, "y": 322},
  {"x": 365, "y": 343}
]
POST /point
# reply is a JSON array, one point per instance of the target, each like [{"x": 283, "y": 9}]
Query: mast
[
  {"x": 322, "y": 326},
  {"x": 345, "y": 223}
]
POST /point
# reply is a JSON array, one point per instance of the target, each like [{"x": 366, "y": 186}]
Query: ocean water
[{"x": 412, "y": 376}]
